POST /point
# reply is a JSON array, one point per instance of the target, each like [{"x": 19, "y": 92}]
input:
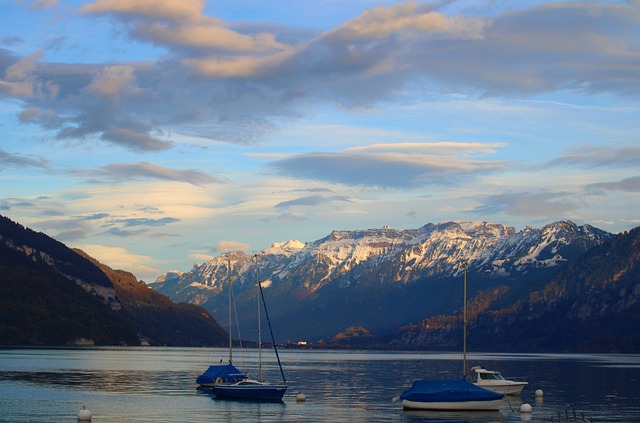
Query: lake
[{"x": 150, "y": 384}]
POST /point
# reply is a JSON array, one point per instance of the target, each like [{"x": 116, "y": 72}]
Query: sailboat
[
  {"x": 223, "y": 373},
  {"x": 452, "y": 394},
  {"x": 255, "y": 389}
]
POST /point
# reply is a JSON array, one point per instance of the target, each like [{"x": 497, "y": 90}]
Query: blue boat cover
[
  {"x": 227, "y": 373},
  {"x": 448, "y": 390}
]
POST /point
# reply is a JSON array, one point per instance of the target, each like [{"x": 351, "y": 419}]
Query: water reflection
[
  {"x": 122, "y": 382},
  {"x": 158, "y": 385},
  {"x": 452, "y": 416}
]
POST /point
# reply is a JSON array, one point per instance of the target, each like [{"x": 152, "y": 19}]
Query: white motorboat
[{"x": 494, "y": 381}]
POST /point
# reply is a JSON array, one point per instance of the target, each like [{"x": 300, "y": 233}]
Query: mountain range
[
  {"x": 53, "y": 295},
  {"x": 403, "y": 288},
  {"x": 562, "y": 287}
]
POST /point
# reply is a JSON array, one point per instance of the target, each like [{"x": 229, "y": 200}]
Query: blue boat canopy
[
  {"x": 227, "y": 373},
  {"x": 448, "y": 390}
]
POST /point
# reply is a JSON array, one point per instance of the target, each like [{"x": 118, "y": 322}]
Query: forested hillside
[{"x": 52, "y": 295}]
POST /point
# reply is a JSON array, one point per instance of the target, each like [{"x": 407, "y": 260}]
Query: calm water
[{"x": 158, "y": 385}]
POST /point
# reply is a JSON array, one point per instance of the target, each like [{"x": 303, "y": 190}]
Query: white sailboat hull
[{"x": 454, "y": 406}]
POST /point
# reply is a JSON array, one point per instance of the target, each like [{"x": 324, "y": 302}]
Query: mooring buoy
[{"x": 84, "y": 415}]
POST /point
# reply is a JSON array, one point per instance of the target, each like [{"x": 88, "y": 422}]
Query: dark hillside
[
  {"x": 52, "y": 295},
  {"x": 41, "y": 307},
  {"x": 49, "y": 252},
  {"x": 158, "y": 320}
]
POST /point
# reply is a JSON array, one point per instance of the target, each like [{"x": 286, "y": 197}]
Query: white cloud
[
  {"x": 224, "y": 246},
  {"x": 119, "y": 258}
]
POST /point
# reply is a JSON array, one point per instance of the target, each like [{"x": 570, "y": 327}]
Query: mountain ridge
[{"x": 351, "y": 278}]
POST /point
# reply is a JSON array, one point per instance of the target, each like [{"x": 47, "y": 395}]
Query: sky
[{"x": 155, "y": 134}]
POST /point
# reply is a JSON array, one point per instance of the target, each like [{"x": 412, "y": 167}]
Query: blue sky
[{"x": 158, "y": 133}]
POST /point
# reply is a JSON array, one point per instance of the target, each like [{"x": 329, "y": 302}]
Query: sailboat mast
[
  {"x": 230, "y": 325},
  {"x": 273, "y": 340},
  {"x": 464, "y": 324},
  {"x": 259, "y": 322}
]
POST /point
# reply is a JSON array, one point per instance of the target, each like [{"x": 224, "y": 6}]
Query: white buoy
[
  {"x": 525, "y": 408},
  {"x": 539, "y": 393},
  {"x": 300, "y": 397},
  {"x": 84, "y": 415}
]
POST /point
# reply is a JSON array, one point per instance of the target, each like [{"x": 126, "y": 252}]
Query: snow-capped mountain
[{"x": 378, "y": 278}]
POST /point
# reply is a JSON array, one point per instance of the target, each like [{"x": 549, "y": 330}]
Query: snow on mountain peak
[
  {"x": 406, "y": 255},
  {"x": 284, "y": 248}
]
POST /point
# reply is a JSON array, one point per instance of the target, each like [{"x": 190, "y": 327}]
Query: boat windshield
[{"x": 491, "y": 376}]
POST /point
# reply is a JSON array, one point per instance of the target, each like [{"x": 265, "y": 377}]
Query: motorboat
[{"x": 494, "y": 381}]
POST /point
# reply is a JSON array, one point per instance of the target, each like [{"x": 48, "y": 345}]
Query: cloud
[
  {"x": 170, "y": 10},
  {"x": 232, "y": 81},
  {"x": 112, "y": 80},
  {"x": 148, "y": 222},
  {"x": 19, "y": 161},
  {"x": 43, "y": 4},
  {"x": 442, "y": 148},
  {"x": 97, "y": 216},
  {"x": 540, "y": 204},
  {"x": 224, "y": 246},
  {"x": 134, "y": 139},
  {"x": 312, "y": 200},
  {"x": 631, "y": 184},
  {"x": 406, "y": 165},
  {"x": 120, "y": 258},
  {"x": 21, "y": 80},
  {"x": 125, "y": 172},
  {"x": 600, "y": 157},
  {"x": 407, "y": 20},
  {"x": 181, "y": 24},
  {"x": 48, "y": 119},
  {"x": 290, "y": 217},
  {"x": 123, "y": 233}
]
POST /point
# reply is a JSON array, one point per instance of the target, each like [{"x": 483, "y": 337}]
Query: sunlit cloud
[
  {"x": 290, "y": 217},
  {"x": 407, "y": 166},
  {"x": 224, "y": 246},
  {"x": 126, "y": 172},
  {"x": 407, "y": 20},
  {"x": 113, "y": 80},
  {"x": 119, "y": 258}
]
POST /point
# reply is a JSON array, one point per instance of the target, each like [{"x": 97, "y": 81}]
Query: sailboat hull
[
  {"x": 453, "y": 406},
  {"x": 450, "y": 395},
  {"x": 250, "y": 390}
]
